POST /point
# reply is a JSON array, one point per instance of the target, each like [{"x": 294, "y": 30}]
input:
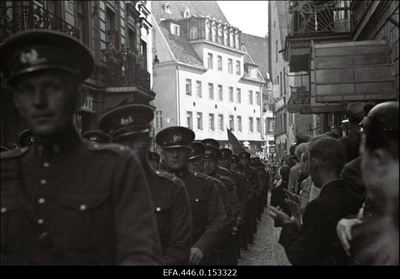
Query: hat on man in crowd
[
  {"x": 225, "y": 153},
  {"x": 211, "y": 148},
  {"x": 37, "y": 50},
  {"x": 284, "y": 173},
  {"x": 367, "y": 108},
  {"x": 126, "y": 120},
  {"x": 197, "y": 150},
  {"x": 173, "y": 137},
  {"x": 355, "y": 112},
  {"x": 96, "y": 136},
  {"x": 26, "y": 138}
]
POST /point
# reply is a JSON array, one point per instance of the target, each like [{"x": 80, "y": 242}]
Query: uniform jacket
[
  {"x": 316, "y": 242},
  {"x": 76, "y": 204},
  {"x": 208, "y": 213},
  {"x": 174, "y": 217}
]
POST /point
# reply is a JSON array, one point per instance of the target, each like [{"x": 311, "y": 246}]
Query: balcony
[
  {"x": 18, "y": 18},
  {"x": 318, "y": 21}
]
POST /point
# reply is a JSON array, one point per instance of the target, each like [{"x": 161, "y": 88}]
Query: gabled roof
[
  {"x": 196, "y": 8},
  {"x": 257, "y": 47},
  {"x": 180, "y": 46}
]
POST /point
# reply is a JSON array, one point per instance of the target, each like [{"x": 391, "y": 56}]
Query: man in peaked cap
[
  {"x": 211, "y": 155},
  {"x": 229, "y": 161},
  {"x": 96, "y": 136},
  {"x": 195, "y": 162},
  {"x": 355, "y": 113},
  {"x": 208, "y": 213},
  {"x": 25, "y": 138},
  {"x": 79, "y": 194},
  {"x": 251, "y": 174},
  {"x": 129, "y": 125}
]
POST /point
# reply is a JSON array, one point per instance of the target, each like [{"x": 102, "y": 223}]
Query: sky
[{"x": 251, "y": 17}]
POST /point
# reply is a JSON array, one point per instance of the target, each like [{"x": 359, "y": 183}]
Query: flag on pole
[{"x": 237, "y": 147}]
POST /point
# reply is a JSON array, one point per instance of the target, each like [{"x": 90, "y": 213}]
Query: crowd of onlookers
[{"x": 336, "y": 197}]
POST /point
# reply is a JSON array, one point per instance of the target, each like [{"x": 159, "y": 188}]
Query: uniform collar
[{"x": 60, "y": 144}]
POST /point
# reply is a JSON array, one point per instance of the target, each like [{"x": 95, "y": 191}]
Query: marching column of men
[{"x": 103, "y": 197}]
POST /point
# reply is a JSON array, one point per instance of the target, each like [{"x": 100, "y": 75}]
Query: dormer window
[
  {"x": 186, "y": 13},
  {"x": 193, "y": 33},
  {"x": 168, "y": 8},
  {"x": 175, "y": 29}
]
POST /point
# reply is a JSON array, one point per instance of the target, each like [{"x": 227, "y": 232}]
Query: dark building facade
[{"x": 118, "y": 35}]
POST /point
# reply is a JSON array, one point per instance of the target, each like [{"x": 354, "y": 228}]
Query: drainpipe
[{"x": 178, "y": 97}]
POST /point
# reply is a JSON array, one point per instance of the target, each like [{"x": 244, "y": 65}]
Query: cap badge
[
  {"x": 177, "y": 137},
  {"x": 207, "y": 152},
  {"x": 126, "y": 120},
  {"x": 31, "y": 57}
]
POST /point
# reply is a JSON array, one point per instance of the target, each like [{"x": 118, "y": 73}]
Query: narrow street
[{"x": 266, "y": 251}]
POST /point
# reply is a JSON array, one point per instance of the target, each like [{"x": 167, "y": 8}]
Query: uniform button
[
  {"x": 197, "y": 200},
  {"x": 40, "y": 221},
  {"x": 158, "y": 209},
  {"x": 46, "y": 164},
  {"x": 3, "y": 209},
  {"x": 41, "y": 200},
  {"x": 43, "y": 181},
  {"x": 82, "y": 207}
]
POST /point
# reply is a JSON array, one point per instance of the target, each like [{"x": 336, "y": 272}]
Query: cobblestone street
[{"x": 266, "y": 251}]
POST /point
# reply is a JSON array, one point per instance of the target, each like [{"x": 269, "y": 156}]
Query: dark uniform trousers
[
  {"x": 174, "y": 216},
  {"x": 76, "y": 204},
  {"x": 208, "y": 214}
]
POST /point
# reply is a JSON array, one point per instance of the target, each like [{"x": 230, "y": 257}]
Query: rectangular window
[
  {"x": 238, "y": 95},
  {"x": 220, "y": 92},
  {"x": 258, "y": 98},
  {"x": 231, "y": 122},
  {"x": 221, "y": 122},
  {"x": 211, "y": 91},
  {"x": 251, "y": 125},
  {"x": 250, "y": 97},
  {"x": 210, "y": 61},
  {"x": 189, "y": 87},
  {"x": 199, "y": 89},
  {"x": 238, "y": 67},
  {"x": 239, "y": 123},
  {"x": 230, "y": 66},
  {"x": 200, "y": 121},
  {"x": 189, "y": 117},
  {"x": 230, "y": 94},
  {"x": 158, "y": 119},
  {"x": 219, "y": 60},
  {"x": 175, "y": 30},
  {"x": 211, "y": 122},
  {"x": 258, "y": 125}
]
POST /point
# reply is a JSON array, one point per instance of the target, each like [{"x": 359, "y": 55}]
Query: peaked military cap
[
  {"x": 126, "y": 120},
  {"x": 197, "y": 150},
  {"x": 210, "y": 142},
  {"x": 176, "y": 136},
  {"x": 96, "y": 136},
  {"x": 225, "y": 153},
  {"x": 244, "y": 155},
  {"x": 26, "y": 138},
  {"x": 38, "y": 50},
  {"x": 3, "y": 148}
]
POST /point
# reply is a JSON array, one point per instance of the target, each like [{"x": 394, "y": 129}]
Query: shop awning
[{"x": 351, "y": 71}]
